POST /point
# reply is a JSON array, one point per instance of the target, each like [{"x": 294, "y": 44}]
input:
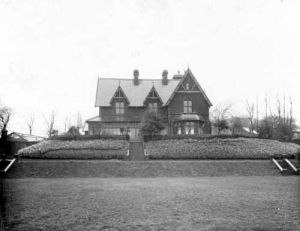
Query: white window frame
[
  {"x": 120, "y": 108},
  {"x": 187, "y": 106}
]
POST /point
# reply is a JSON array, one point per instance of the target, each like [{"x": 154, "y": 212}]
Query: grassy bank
[
  {"x": 97, "y": 168},
  {"x": 238, "y": 148},
  {"x": 78, "y": 149}
]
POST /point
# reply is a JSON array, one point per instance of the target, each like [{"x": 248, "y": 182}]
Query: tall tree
[
  {"x": 67, "y": 123},
  {"x": 50, "y": 124},
  {"x": 250, "y": 111},
  {"x": 30, "y": 123},
  {"x": 220, "y": 116},
  {"x": 5, "y": 116},
  {"x": 79, "y": 123}
]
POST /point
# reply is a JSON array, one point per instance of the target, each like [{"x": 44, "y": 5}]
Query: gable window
[
  {"x": 187, "y": 86},
  {"x": 153, "y": 107},
  {"x": 120, "y": 108},
  {"x": 187, "y": 106}
]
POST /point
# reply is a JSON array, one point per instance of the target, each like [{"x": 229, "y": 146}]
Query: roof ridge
[{"x": 132, "y": 79}]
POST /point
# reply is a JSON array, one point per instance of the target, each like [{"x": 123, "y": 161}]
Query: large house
[{"x": 179, "y": 101}]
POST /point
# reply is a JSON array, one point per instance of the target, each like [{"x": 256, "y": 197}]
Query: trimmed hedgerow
[
  {"x": 196, "y": 137},
  {"x": 240, "y": 148},
  {"x": 79, "y": 149},
  {"x": 69, "y": 137}
]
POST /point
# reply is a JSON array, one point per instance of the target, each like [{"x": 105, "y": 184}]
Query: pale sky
[{"x": 52, "y": 51}]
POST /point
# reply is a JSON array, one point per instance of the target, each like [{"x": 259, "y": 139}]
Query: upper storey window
[
  {"x": 153, "y": 107},
  {"x": 120, "y": 108},
  {"x": 187, "y": 106}
]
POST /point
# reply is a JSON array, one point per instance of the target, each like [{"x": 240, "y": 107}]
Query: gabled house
[{"x": 179, "y": 101}]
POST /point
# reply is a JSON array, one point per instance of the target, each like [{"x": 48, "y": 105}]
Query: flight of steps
[{"x": 136, "y": 151}]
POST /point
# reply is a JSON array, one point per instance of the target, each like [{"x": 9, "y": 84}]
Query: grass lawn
[{"x": 205, "y": 203}]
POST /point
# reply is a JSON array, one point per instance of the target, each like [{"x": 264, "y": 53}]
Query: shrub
[
  {"x": 276, "y": 128},
  {"x": 152, "y": 125}
]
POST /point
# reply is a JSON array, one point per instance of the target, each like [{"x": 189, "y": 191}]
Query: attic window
[{"x": 187, "y": 86}]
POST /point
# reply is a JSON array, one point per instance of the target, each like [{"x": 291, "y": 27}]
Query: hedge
[
  {"x": 90, "y": 137},
  {"x": 239, "y": 148},
  {"x": 196, "y": 137},
  {"x": 79, "y": 149}
]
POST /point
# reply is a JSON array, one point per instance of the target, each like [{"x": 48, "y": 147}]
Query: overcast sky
[{"x": 51, "y": 52}]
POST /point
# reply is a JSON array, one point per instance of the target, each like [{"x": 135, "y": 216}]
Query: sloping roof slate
[{"x": 136, "y": 94}]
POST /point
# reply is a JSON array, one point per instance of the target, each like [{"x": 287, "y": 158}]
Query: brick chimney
[
  {"x": 165, "y": 77},
  {"x": 136, "y": 77}
]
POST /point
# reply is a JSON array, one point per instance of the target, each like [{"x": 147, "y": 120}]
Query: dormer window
[
  {"x": 120, "y": 108},
  {"x": 187, "y": 106},
  {"x": 152, "y": 107}
]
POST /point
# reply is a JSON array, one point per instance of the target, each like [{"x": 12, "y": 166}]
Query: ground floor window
[
  {"x": 185, "y": 128},
  {"x": 189, "y": 128}
]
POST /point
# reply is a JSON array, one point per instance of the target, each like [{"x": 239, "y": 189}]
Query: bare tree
[
  {"x": 284, "y": 113},
  {"x": 79, "y": 123},
  {"x": 250, "y": 111},
  {"x": 67, "y": 123},
  {"x": 279, "y": 108},
  {"x": 5, "y": 116},
  {"x": 30, "y": 123},
  {"x": 220, "y": 116},
  {"x": 266, "y": 106},
  {"x": 50, "y": 124},
  {"x": 236, "y": 125},
  {"x": 257, "y": 121},
  {"x": 291, "y": 113}
]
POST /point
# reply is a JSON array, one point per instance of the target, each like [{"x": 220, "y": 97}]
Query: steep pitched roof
[
  {"x": 136, "y": 94},
  {"x": 189, "y": 72}
]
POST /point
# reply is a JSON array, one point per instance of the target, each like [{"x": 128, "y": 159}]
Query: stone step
[{"x": 136, "y": 151}]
